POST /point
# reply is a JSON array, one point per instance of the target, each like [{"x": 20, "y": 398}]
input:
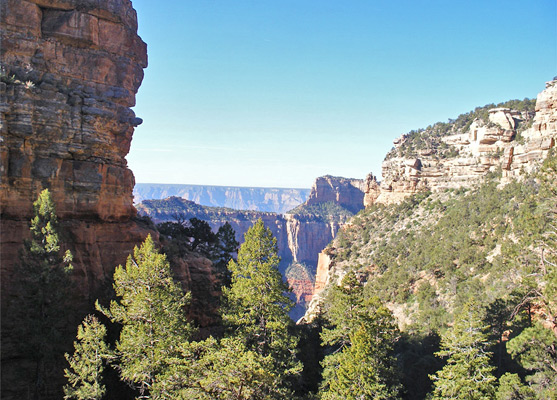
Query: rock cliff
[
  {"x": 348, "y": 193},
  {"x": 301, "y": 233},
  {"x": 513, "y": 141},
  {"x": 70, "y": 70}
]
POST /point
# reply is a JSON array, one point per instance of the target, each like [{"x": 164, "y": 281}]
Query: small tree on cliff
[
  {"x": 43, "y": 280},
  {"x": 154, "y": 327},
  {"x": 256, "y": 306}
]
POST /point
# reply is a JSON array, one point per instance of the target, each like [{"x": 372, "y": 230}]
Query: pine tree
[
  {"x": 151, "y": 311},
  {"x": 43, "y": 280},
  {"x": 230, "y": 371},
  {"x": 536, "y": 350},
  {"x": 511, "y": 388},
  {"x": 360, "y": 336},
  {"x": 227, "y": 246},
  {"x": 256, "y": 306},
  {"x": 87, "y": 362},
  {"x": 467, "y": 374}
]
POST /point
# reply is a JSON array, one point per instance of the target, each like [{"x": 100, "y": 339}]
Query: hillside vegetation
[
  {"x": 432, "y": 256},
  {"x": 430, "y": 138}
]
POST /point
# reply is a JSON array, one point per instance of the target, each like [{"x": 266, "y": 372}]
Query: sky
[{"x": 276, "y": 93}]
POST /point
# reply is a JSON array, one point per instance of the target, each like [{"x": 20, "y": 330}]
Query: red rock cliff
[{"x": 70, "y": 72}]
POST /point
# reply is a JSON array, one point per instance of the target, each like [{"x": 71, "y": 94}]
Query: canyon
[
  {"x": 70, "y": 70},
  {"x": 301, "y": 233}
]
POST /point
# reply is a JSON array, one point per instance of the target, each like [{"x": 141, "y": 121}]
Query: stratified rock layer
[
  {"x": 486, "y": 146},
  {"x": 70, "y": 70}
]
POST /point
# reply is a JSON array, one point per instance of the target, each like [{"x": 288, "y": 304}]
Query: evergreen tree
[
  {"x": 151, "y": 311},
  {"x": 230, "y": 371},
  {"x": 366, "y": 369},
  {"x": 512, "y": 388},
  {"x": 87, "y": 362},
  {"x": 536, "y": 350},
  {"x": 43, "y": 280},
  {"x": 256, "y": 306},
  {"x": 467, "y": 374},
  {"x": 226, "y": 248},
  {"x": 361, "y": 363}
]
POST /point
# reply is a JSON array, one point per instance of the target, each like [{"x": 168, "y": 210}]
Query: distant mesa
[{"x": 277, "y": 200}]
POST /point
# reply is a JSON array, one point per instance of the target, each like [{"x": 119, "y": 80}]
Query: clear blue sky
[{"x": 277, "y": 93}]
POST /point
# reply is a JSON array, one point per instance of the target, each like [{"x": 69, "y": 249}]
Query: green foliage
[
  {"x": 87, "y": 362},
  {"x": 256, "y": 307},
  {"x": 361, "y": 372},
  {"x": 430, "y": 138},
  {"x": 360, "y": 336},
  {"x": 231, "y": 371},
  {"x": 43, "y": 287},
  {"x": 184, "y": 237},
  {"x": 321, "y": 212},
  {"x": 536, "y": 350},
  {"x": 150, "y": 310},
  {"x": 227, "y": 247},
  {"x": 467, "y": 374},
  {"x": 512, "y": 388}
]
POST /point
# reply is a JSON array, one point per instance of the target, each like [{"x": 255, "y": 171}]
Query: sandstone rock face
[
  {"x": 301, "y": 233},
  {"x": 70, "y": 70},
  {"x": 348, "y": 193},
  {"x": 485, "y": 147}
]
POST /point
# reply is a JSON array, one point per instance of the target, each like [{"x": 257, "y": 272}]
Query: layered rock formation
[
  {"x": 501, "y": 142},
  {"x": 70, "y": 70},
  {"x": 278, "y": 200},
  {"x": 348, "y": 193}
]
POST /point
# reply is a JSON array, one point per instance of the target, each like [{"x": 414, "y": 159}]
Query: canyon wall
[
  {"x": 278, "y": 200},
  {"x": 500, "y": 143},
  {"x": 70, "y": 70},
  {"x": 302, "y": 233}
]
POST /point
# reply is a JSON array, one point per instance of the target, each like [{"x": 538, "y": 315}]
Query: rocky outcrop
[
  {"x": 501, "y": 143},
  {"x": 348, "y": 193},
  {"x": 278, "y": 200},
  {"x": 487, "y": 146},
  {"x": 70, "y": 70},
  {"x": 301, "y": 234}
]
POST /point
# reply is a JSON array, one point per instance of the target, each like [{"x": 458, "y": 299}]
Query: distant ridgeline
[{"x": 278, "y": 200}]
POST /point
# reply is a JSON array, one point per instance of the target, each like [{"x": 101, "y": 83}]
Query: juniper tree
[{"x": 536, "y": 350}]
